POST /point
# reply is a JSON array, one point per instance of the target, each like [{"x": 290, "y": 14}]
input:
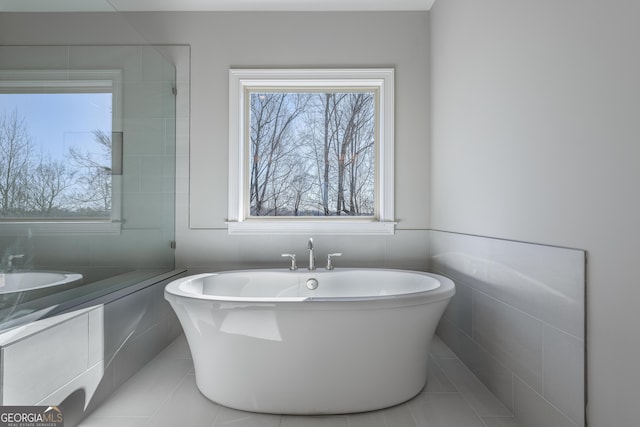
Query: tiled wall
[
  {"x": 517, "y": 321},
  {"x": 79, "y": 358},
  {"x": 215, "y": 250}
]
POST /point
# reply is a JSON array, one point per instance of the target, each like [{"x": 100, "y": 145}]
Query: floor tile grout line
[
  {"x": 463, "y": 395},
  {"x": 170, "y": 394},
  {"x": 447, "y": 376},
  {"x": 544, "y": 398},
  {"x": 493, "y": 359},
  {"x": 83, "y": 423}
]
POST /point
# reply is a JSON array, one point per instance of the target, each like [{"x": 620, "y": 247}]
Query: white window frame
[
  {"x": 72, "y": 81},
  {"x": 241, "y": 80}
]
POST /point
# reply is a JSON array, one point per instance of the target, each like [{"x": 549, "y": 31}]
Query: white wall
[
  {"x": 535, "y": 138},
  {"x": 222, "y": 40}
]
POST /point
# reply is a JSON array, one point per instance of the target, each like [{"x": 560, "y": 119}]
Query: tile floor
[{"x": 164, "y": 393}]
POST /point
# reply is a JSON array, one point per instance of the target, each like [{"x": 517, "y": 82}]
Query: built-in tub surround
[
  {"x": 22, "y": 286},
  {"x": 310, "y": 342},
  {"x": 78, "y": 358},
  {"x": 518, "y": 322}
]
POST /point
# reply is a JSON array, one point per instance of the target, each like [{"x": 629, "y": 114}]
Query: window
[
  {"x": 311, "y": 151},
  {"x": 60, "y": 154}
]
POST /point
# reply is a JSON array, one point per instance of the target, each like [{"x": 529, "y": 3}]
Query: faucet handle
[
  {"x": 329, "y": 264},
  {"x": 10, "y": 259},
  {"x": 293, "y": 265}
]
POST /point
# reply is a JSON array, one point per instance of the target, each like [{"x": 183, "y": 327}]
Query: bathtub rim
[
  {"x": 445, "y": 290},
  {"x": 69, "y": 277}
]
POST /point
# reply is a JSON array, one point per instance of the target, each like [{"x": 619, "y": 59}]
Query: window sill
[{"x": 333, "y": 227}]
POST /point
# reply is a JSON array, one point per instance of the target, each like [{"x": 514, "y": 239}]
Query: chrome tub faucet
[
  {"x": 312, "y": 258},
  {"x": 293, "y": 265},
  {"x": 312, "y": 261},
  {"x": 329, "y": 263}
]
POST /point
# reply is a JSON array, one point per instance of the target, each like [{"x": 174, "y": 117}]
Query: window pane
[
  {"x": 312, "y": 153},
  {"x": 55, "y": 155}
]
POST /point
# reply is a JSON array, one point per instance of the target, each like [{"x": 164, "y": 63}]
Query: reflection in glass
[{"x": 88, "y": 182}]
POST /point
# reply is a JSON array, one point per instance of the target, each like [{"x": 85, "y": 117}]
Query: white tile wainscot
[{"x": 518, "y": 322}]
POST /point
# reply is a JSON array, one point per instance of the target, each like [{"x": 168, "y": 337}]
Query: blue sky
[{"x": 56, "y": 121}]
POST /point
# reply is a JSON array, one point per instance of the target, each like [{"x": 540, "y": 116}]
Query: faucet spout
[{"x": 312, "y": 261}]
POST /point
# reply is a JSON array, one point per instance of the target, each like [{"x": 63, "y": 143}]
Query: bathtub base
[
  {"x": 310, "y": 362},
  {"x": 319, "y": 406},
  {"x": 291, "y": 355}
]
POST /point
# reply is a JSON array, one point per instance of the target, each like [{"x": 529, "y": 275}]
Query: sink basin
[{"x": 32, "y": 280}]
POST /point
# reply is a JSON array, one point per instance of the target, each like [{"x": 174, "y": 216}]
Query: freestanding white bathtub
[{"x": 262, "y": 341}]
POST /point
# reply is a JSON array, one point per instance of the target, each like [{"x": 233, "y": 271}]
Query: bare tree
[
  {"x": 353, "y": 119},
  {"x": 49, "y": 181},
  {"x": 361, "y": 142},
  {"x": 300, "y": 185},
  {"x": 94, "y": 181},
  {"x": 272, "y": 120},
  {"x": 35, "y": 185},
  {"x": 332, "y": 118},
  {"x": 347, "y": 144},
  {"x": 312, "y": 153},
  {"x": 15, "y": 153}
]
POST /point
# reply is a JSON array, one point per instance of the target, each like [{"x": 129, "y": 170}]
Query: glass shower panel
[{"x": 109, "y": 182}]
